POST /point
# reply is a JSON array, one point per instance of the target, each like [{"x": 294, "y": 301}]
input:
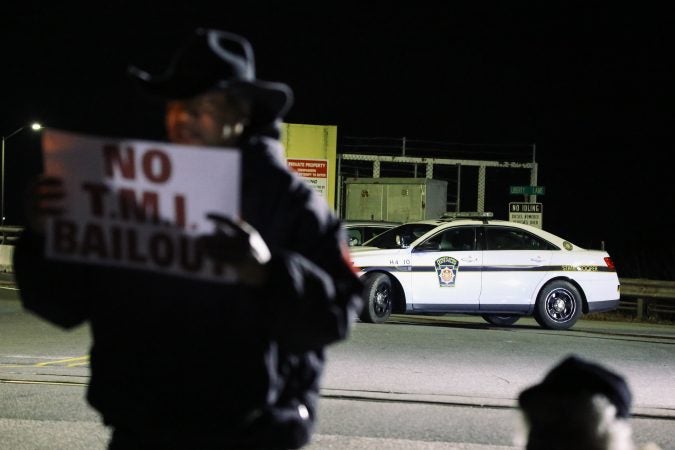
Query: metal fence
[{"x": 648, "y": 298}]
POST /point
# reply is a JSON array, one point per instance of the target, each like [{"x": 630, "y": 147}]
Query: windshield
[{"x": 401, "y": 236}]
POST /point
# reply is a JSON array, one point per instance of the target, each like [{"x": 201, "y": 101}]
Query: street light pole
[{"x": 35, "y": 127}]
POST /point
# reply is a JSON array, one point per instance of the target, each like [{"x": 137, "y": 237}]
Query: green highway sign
[{"x": 527, "y": 190}]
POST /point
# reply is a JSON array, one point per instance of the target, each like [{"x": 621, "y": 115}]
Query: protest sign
[{"x": 139, "y": 204}]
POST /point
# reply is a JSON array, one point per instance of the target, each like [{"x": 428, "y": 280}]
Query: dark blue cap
[{"x": 574, "y": 376}]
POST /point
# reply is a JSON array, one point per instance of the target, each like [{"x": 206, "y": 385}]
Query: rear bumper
[{"x": 606, "y": 305}]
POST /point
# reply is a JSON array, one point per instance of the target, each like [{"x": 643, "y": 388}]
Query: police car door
[
  {"x": 514, "y": 262},
  {"x": 446, "y": 271}
]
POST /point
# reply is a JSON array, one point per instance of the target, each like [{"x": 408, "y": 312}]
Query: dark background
[{"x": 590, "y": 83}]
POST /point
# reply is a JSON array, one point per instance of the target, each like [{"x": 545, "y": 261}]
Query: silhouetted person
[
  {"x": 187, "y": 364},
  {"x": 579, "y": 405}
]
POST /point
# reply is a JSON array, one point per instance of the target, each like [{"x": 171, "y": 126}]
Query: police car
[{"x": 472, "y": 264}]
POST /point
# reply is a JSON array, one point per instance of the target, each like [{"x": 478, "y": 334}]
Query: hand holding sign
[
  {"x": 238, "y": 244},
  {"x": 44, "y": 199}
]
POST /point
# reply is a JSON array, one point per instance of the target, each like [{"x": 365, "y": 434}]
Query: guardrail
[
  {"x": 9, "y": 234},
  {"x": 648, "y": 298}
]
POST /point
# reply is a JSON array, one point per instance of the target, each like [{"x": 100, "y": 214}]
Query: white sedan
[{"x": 496, "y": 269}]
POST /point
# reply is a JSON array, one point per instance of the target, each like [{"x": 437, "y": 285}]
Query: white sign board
[
  {"x": 139, "y": 204},
  {"x": 526, "y": 213}
]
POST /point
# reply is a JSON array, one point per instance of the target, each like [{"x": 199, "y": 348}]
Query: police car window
[
  {"x": 400, "y": 236},
  {"x": 514, "y": 239},
  {"x": 452, "y": 239},
  {"x": 371, "y": 232},
  {"x": 458, "y": 239}
]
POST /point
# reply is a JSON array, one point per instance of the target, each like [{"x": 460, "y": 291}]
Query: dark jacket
[{"x": 195, "y": 357}]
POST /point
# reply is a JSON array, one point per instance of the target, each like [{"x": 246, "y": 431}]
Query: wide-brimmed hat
[
  {"x": 575, "y": 377},
  {"x": 211, "y": 60}
]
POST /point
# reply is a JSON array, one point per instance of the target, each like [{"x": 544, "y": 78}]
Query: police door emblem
[{"x": 446, "y": 269}]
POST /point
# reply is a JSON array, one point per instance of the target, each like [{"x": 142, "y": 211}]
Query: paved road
[{"x": 431, "y": 384}]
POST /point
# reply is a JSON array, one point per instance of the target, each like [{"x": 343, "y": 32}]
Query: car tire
[
  {"x": 502, "y": 320},
  {"x": 558, "y": 306},
  {"x": 378, "y": 296}
]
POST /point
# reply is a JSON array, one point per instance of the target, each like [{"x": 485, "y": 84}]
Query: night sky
[{"x": 591, "y": 86}]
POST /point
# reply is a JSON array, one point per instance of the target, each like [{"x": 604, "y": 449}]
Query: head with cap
[
  {"x": 211, "y": 90},
  {"x": 579, "y": 404}
]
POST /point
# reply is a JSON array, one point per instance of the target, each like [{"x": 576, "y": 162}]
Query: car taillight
[{"x": 610, "y": 263}]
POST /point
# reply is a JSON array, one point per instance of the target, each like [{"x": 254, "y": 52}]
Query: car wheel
[
  {"x": 378, "y": 297},
  {"x": 558, "y": 306},
  {"x": 502, "y": 320}
]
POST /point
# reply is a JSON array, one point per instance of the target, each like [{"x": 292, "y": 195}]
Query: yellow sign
[{"x": 311, "y": 151}]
